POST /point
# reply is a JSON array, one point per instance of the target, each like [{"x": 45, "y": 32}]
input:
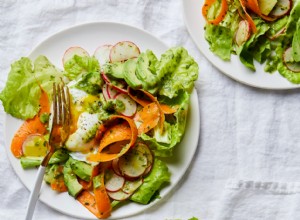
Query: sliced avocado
[
  {"x": 81, "y": 169},
  {"x": 130, "y": 74},
  {"x": 30, "y": 162},
  {"x": 52, "y": 173},
  {"x": 266, "y": 6},
  {"x": 74, "y": 187},
  {"x": 59, "y": 156},
  {"x": 97, "y": 181},
  {"x": 146, "y": 69},
  {"x": 115, "y": 69}
]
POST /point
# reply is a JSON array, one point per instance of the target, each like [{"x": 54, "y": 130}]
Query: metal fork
[{"x": 60, "y": 128}]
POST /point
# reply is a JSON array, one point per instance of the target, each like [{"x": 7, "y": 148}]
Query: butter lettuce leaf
[
  {"x": 296, "y": 43},
  {"x": 79, "y": 65},
  {"x": 248, "y": 51},
  {"x": 20, "y": 96},
  {"x": 179, "y": 71},
  {"x": 158, "y": 176},
  {"x": 220, "y": 40}
]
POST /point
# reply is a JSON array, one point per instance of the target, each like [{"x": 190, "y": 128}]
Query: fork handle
[{"x": 35, "y": 193}]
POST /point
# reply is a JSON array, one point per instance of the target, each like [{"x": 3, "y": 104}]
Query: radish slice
[
  {"x": 280, "y": 32},
  {"x": 112, "y": 93},
  {"x": 281, "y": 8},
  {"x": 243, "y": 32},
  {"x": 122, "y": 51},
  {"x": 289, "y": 61},
  {"x": 118, "y": 195},
  {"x": 105, "y": 92},
  {"x": 34, "y": 146},
  {"x": 72, "y": 51},
  {"x": 121, "y": 90},
  {"x": 131, "y": 186},
  {"x": 133, "y": 164},
  {"x": 115, "y": 166},
  {"x": 105, "y": 78},
  {"x": 130, "y": 104},
  {"x": 145, "y": 150},
  {"x": 113, "y": 182},
  {"x": 102, "y": 53}
]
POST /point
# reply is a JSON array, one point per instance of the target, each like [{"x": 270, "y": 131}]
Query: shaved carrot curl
[
  {"x": 253, "y": 6},
  {"x": 220, "y": 16},
  {"x": 117, "y": 136}
]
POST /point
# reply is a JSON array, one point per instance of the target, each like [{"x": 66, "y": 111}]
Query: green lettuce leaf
[
  {"x": 79, "y": 65},
  {"x": 296, "y": 43},
  {"x": 292, "y": 21},
  {"x": 158, "y": 176},
  {"x": 20, "y": 96},
  {"x": 220, "y": 40},
  {"x": 179, "y": 71},
  {"x": 248, "y": 50},
  {"x": 288, "y": 74}
]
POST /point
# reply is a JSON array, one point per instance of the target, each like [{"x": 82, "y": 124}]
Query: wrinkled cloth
[{"x": 247, "y": 134}]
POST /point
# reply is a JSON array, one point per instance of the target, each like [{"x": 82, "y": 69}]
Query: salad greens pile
[
  {"x": 267, "y": 45},
  {"x": 170, "y": 79}
]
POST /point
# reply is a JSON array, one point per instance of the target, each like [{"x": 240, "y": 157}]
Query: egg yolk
[{"x": 80, "y": 106}]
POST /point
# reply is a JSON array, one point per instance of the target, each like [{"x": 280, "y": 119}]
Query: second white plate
[{"x": 195, "y": 23}]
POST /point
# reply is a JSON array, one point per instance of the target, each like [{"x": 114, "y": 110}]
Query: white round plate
[
  {"x": 89, "y": 36},
  {"x": 192, "y": 10}
]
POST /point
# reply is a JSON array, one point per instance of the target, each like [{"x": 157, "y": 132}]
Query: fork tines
[{"x": 61, "y": 106}]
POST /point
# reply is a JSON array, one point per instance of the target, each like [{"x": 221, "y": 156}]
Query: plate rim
[
  {"x": 195, "y": 107},
  {"x": 231, "y": 76}
]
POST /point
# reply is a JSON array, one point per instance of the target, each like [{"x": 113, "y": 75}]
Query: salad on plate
[
  {"x": 266, "y": 31},
  {"x": 128, "y": 110}
]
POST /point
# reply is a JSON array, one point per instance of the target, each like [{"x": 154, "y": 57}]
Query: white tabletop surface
[{"x": 247, "y": 165}]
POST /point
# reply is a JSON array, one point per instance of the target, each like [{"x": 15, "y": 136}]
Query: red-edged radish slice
[
  {"x": 105, "y": 78},
  {"x": 122, "y": 51},
  {"x": 130, "y": 104},
  {"x": 34, "y": 146},
  {"x": 243, "y": 32},
  {"x": 115, "y": 166},
  {"x": 102, "y": 53},
  {"x": 112, "y": 93},
  {"x": 113, "y": 182},
  {"x": 121, "y": 90},
  {"x": 280, "y": 32},
  {"x": 105, "y": 92},
  {"x": 131, "y": 186},
  {"x": 133, "y": 164},
  {"x": 118, "y": 195},
  {"x": 289, "y": 61},
  {"x": 145, "y": 150},
  {"x": 281, "y": 8},
  {"x": 72, "y": 51}
]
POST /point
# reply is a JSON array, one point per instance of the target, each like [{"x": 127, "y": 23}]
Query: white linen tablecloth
[{"x": 247, "y": 165}]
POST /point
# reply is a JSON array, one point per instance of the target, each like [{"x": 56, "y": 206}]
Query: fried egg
[{"x": 84, "y": 124}]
